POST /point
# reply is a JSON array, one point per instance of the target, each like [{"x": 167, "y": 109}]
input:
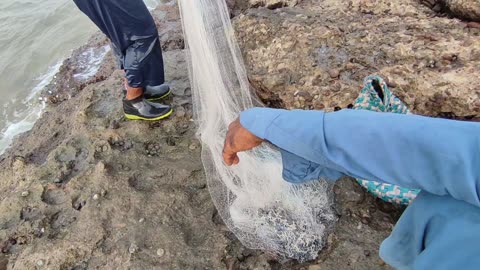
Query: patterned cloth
[{"x": 369, "y": 99}]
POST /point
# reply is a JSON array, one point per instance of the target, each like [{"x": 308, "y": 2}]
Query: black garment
[{"x": 134, "y": 36}]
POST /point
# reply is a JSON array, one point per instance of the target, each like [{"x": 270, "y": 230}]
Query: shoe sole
[
  {"x": 136, "y": 117},
  {"x": 162, "y": 97}
]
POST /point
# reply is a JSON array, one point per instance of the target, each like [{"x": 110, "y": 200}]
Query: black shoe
[
  {"x": 156, "y": 92},
  {"x": 141, "y": 109}
]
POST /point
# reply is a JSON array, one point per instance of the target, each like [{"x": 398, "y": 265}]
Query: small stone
[
  {"x": 366, "y": 253},
  {"x": 104, "y": 148},
  {"x": 103, "y": 192},
  {"x": 127, "y": 145},
  {"x": 40, "y": 263},
  {"x": 160, "y": 252},
  {"x": 334, "y": 73},
  {"x": 133, "y": 248},
  {"x": 473, "y": 25},
  {"x": 18, "y": 163},
  {"x": 57, "y": 180},
  {"x": 365, "y": 220},
  {"x": 141, "y": 220},
  {"x": 450, "y": 57},
  {"x": 359, "y": 227},
  {"x": 95, "y": 197},
  {"x": 192, "y": 146},
  {"x": 25, "y": 193},
  {"x": 314, "y": 267},
  {"x": 180, "y": 112}
]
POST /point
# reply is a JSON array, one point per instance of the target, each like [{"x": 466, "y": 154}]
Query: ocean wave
[{"x": 91, "y": 61}]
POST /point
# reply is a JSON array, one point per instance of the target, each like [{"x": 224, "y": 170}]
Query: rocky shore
[{"x": 86, "y": 189}]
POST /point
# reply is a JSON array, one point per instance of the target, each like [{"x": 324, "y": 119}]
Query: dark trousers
[{"x": 133, "y": 35}]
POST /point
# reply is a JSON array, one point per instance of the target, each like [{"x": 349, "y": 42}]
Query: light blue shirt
[{"x": 441, "y": 228}]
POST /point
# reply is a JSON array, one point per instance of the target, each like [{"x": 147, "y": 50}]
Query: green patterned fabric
[{"x": 369, "y": 99}]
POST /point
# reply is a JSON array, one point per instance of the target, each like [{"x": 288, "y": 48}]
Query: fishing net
[{"x": 257, "y": 205}]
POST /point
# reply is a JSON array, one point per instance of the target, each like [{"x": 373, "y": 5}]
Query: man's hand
[{"x": 238, "y": 139}]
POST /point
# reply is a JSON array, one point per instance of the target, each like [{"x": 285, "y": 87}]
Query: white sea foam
[
  {"x": 90, "y": 61},
  {"x": 92, "y": 58},
  {"x": 151, "y": 4},
  {"x": 27, "y": 118}
]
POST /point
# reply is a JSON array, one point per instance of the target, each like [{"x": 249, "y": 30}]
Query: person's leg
[
  {"x": 375, "y": 96},
  {"x": 134, "y": 36}
]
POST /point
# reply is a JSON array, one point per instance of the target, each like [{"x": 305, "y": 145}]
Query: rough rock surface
[
  {"x": 468, "y": 9},
  {"x": 272, "y": 4},
  {"x": 464, "y": 9},
  {"x": 86, "y": 189},
  {"x": 315, "y": 55}
]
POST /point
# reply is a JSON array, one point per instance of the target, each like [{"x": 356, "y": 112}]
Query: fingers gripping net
[{"x": 257, "y": 205}]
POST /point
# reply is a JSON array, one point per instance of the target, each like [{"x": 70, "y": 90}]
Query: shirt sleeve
[
  {"x": 434, "y": 232},
  {"x": 439, "y": 156}
]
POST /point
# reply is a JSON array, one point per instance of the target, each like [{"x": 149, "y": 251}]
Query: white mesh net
[{"x": 257, "y": 205}]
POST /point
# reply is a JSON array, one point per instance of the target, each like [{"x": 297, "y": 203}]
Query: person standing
[{"x": 135, "y": 42}]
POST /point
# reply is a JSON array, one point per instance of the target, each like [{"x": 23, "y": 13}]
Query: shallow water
[{"x": 35, "y": 37}]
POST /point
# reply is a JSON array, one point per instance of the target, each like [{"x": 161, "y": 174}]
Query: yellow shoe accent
[
  {"x": 158, "y": 98},
  {"x": 136, "y": 117}
]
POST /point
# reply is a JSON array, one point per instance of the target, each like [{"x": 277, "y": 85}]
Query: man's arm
[{"x": 439, "y": 156}]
